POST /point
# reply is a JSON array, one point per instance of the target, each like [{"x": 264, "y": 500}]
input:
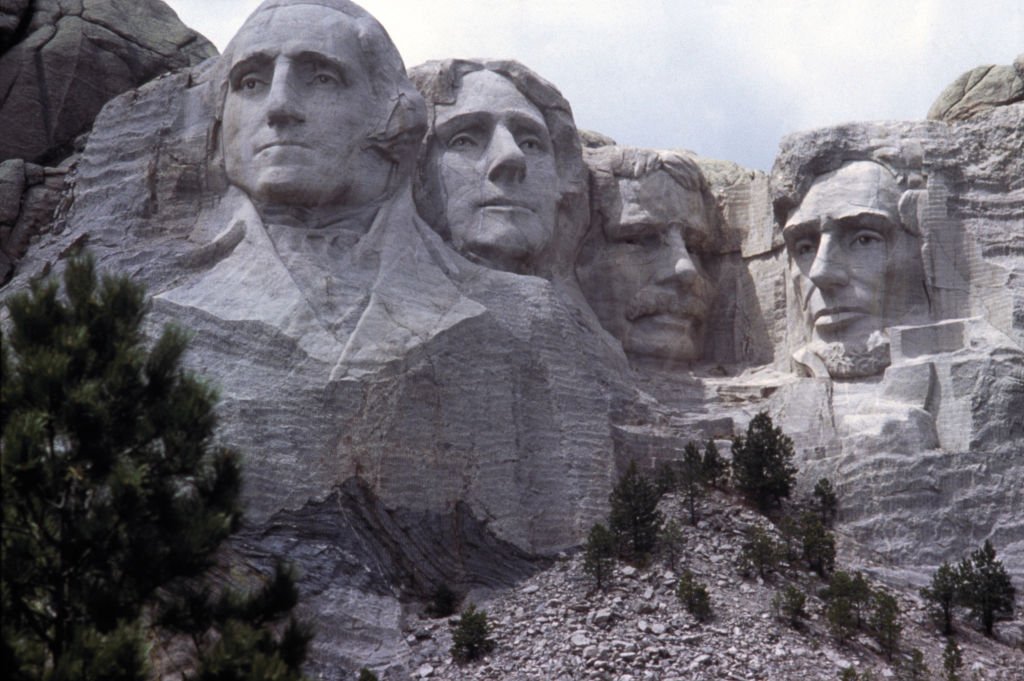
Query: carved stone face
[
  {"x": 298, "y": 110},
  {"x": 497, "y": 172},
  {"x": 639, "y": 272},
  {"x": 847, "y": 251}
]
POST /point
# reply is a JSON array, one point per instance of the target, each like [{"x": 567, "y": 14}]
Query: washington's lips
[
  {"x": 838, "y": 315},
  {"x": 503, "y": 202}
]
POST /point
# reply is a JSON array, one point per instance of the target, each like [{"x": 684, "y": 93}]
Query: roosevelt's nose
[
  {"x": 505, "y": 160},
  {"x": 829, "y": 267},
  {"x": 679, "y": 265},
  {"x": 284, "y": 103}
]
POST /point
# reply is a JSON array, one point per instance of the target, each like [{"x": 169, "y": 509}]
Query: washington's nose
[
  {"x": 680, "y": 266},
  {"x": 283, "y": 102},
  {"x": 505, "y": 160},
  {"x": 829, "y": 267}
]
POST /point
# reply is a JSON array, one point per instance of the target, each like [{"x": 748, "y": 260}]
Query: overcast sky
[{"x": 724, "y": 78}]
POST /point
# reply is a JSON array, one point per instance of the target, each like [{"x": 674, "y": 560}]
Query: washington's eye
[
  {"x": 250, "y": 83},
  {"x": 867, "y": 239},
  {"x": 805, "y": 247}
]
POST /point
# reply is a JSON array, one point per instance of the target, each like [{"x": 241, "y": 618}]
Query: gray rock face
[
  {"x": 978, "y": 90},
  {"x": 414, "y": 410},
  {"x": 68, "y": 57}
]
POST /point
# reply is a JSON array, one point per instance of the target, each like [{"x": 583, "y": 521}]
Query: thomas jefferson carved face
[
  {"x": 846, "y": 248},
  {"x": 298, "y": 111},
  {"x": 496, "y": 168},
  {"x": 639, "y": 271}
]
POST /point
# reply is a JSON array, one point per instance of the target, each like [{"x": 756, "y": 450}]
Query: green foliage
[
  {"x": 366, "y": 675},
  {"x": 952, "y": 661},
  {"x": 789, "y": 605},
  {"x": 986, "y": 587},
  {"x": 760, "y": 554},
  {"x": 943, "y": 593},
  {"x": 671, "y": 539},
  {"x": 665, "y": 477},
  {"x": 884, "y": 622},
  {"x": 471, "y": 636},
  {"x": 635, "y": 518},
  {"x": 443, "y": 602},
  {"x": 694, "y": 596},
  {"x": 914, "y": 669},
  {"x": 818, "y": 544},
  {"x": 599, "y": 554},
  {"x": 762, "y": 463},
  {"x": 847, "y": 598},
  {"x": 714, "y": 467},
  {"x": 848, "y": 674},
  {"x": 825, "y": 502},
  {"x": 112, "y": 488},
  {"x": 690, "y": 479}
]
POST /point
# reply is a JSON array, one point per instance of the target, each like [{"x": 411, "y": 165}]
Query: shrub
[
  {"x": 599, "y": 554},
  {"x": 952, "y": 661},
  {"x": 789, "y": 605},
  {"x": 694, "y": 596},
  {"x": 367, "y": 675},
  {"x": 471, "y": 635},
  {"x": 443, "y": 602},
  {"x": 635, "y": 518},
  {"x": 760, "y": 553}
]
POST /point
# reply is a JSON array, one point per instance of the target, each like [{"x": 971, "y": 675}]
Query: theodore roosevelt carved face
[{"x": 639, "y": 266}]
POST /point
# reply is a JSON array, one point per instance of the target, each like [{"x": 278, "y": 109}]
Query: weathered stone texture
[
  {"x": 70, "y": 56},
  {"x": 978, "y": 90}
]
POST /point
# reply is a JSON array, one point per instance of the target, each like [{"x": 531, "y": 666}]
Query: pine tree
[
  {"x": 826, "y": 503},
  {"x": 690, "y": 479},
  {"x": 943, "y": 593},
  {"x": 762, "y": 463},
  {"x": 112, "y": 488},
  {"x": 790, "y": 606},
  {"x": 760, "y": 554},
  {"x": 818, "y": 544},
  {"x": 986, "y": 587},
  {"x": 715, "y": 467},
  {"x": 952, "y": 661},
  {"x": 693, "y": 594},
  {"x": 471, "y": 635},
  {"x": 884, "y": 624},
  {"x": 599, "y": 554},
  {"x": 671, "y": 539},
  {"x": 635, "y": 518}
]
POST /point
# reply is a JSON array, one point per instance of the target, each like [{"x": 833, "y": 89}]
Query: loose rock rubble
[{"x": 555, "y": 626}]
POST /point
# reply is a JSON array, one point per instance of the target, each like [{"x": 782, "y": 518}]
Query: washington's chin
[{"x": 663, "y": 336}]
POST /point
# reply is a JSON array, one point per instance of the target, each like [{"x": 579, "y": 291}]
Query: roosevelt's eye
[{"x": 805, "y": 247}]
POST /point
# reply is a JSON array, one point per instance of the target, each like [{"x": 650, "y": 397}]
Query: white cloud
[{"x": 726, "y": 79}]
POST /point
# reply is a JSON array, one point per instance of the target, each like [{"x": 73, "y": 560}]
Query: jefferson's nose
[
  {"x": 829, "y": 267},
  {"x": 505, "y": 160}
]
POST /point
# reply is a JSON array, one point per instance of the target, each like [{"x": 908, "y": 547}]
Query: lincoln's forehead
[{"x": 854, "y": 189}]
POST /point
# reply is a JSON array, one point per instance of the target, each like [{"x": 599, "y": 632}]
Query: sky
[{"x": 726, "y": 79}]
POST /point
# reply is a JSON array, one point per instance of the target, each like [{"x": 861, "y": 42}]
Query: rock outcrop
[
  {"x": 67, "y": 58},
  {"x": 980, "y": 89},
  {"x": 415, "y": 411}
]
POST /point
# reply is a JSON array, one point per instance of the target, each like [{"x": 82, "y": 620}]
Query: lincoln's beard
[{"x": 843, "y": 360}]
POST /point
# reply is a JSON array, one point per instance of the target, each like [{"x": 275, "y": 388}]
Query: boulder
[
  {"x": 978, "y": 90},
  {"x": 69, "y": 57}
]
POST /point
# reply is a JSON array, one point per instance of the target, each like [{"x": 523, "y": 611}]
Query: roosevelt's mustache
[{"x": 654, "y": 301}]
